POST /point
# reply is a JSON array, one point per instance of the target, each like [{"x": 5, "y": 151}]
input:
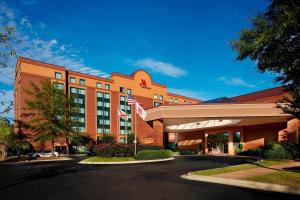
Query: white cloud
[
  {"x": 234, "y": 81},
  {"x": 33, "y": 46},
  {"x": 188, "y": 93},
  {"x": 25, "y": 22},
  {"x": 160, "y": 67}
]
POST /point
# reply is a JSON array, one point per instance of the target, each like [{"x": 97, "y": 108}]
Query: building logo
[{"x": 143, "y": 84}]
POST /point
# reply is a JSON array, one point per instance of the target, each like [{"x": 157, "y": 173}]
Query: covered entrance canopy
[{"x": 262, "y": 120}]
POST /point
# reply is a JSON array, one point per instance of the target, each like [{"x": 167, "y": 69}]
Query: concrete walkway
[{"x": 243, "y": 174}]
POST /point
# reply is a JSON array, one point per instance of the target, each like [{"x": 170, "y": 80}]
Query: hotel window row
[
  {"x": 161, "y": 98},
  {"x": 173, "y": 100},
  {"x": 123, "y": 90},
  {"x": 78, "y": 96},
  {"x": 82, "y": 82},
  {"x": 103, "y": 113},
  {"x": 125, "y": 108}
]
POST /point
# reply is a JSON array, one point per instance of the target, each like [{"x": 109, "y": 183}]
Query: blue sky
[{"x": 183, "y": 44}]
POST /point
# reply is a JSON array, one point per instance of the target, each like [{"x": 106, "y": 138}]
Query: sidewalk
[
  {"x": 236, "y": 178},
  {"x": 243, "y": 174}
]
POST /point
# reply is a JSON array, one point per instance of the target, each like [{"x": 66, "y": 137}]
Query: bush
[
  {"x": 251, "y": 152},
  {"x": 153, "y": 154},
  {"x": 148, "y": 147},
  {"x": 187, "y": 152},
  {"x": 107, "y": 139},
  {"x": 292, "y": 150},
  {"x": 113, "y": 150},
  {"x": 274, "y": 151}
]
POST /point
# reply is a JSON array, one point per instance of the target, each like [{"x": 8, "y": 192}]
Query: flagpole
[
  {"x": 126, "y": 119},
  {"x": 135, "y": 133}
]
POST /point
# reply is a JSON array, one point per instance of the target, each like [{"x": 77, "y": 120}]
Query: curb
[
  {"x": 126, "y": 162},
  {"x": 35, "y": 161},
  {"x": 244, "y": 184}
]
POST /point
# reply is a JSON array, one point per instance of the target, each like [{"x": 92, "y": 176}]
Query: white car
[{"x": 44, "y": 154}]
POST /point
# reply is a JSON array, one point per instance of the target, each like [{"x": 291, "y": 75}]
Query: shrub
[
  {"x": 113, "y": 150},
  {"x": 153, "y": 154},
  {"x": 148, "y": 147},
  {"x": 187, "y": 152},
  {"x": 274, "y": 151},
  {"x": 292, "y": 150},
  {"x": 251, "y": 152},
  {"x": 107, "y": 139}
]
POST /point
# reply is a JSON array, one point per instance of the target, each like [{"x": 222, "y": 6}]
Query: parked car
[{"x": 43, "y": 154}]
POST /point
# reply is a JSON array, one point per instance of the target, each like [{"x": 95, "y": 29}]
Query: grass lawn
[
  {"x": 264, "y": 163},
  {"x": 109, "y": 159},
  {"x": 290, "y": 178}
]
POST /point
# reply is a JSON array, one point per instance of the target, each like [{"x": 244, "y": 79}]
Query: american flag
[
  {"x": 130, "y": 99},
  {"x": 122, "y": 115}
]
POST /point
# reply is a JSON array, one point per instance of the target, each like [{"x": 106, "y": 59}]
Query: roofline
[
  {"x": 257, "y": 92},
  {"x": 44, "y": 64},
  {"x": 182, "y": 96},
  {"x": 90, "y": 76},
  {"x": 133, "y": 74}
]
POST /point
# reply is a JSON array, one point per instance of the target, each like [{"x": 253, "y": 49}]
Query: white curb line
[
  {"x": 125, "y": 162},
  {"x": 243, "y": 183}
]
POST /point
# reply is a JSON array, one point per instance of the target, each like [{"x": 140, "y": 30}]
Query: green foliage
[
  {"x": 251, "y": 152},
  {"x": 148, "y": 147},
  {"x": 273, "y": 43},
  {"x": 187, "y": 152},
  {"x": 153, "y": 154},
  {"x": 7, "y": 42},
  {"x": 49, "y": 110},
  {"x": 107, "y": 139},
  {"x": 239, "y": 148},
  {"x": 281, "y": 150},
  {"x": 5, "y": 135},
  {"x": 130, "y": 139},
  {"x": 113, "y": 150},
  {"x": 292, "y": 150},
  {"x": 274, "y": 151}
]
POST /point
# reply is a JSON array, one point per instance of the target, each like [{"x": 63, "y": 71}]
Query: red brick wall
[
  {"x": 91, "y": 118},
  {"x": 114, "y": 106},
  {"x": 260, "y": 135},
  {"x": 190, "y": 141}
]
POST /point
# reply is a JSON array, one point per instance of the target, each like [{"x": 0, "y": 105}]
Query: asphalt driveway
[{"x": 69, "y": 180}]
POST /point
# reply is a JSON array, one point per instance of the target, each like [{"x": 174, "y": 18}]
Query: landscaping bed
[
  {"x": 264, "y": 163},
  {"x": 290, "y": 178}
]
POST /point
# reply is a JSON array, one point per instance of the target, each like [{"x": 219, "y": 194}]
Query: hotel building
[{"x": 171, "y": 118}]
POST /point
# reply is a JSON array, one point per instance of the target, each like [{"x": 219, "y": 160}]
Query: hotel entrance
[{"x": 217, "y": 143}]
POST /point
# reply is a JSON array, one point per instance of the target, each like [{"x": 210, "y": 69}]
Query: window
[
  {"x": 81, "y": 91},
  {"x": 122, "y": 140},
  {"x": 58, "y": 75},
  {"x": 122, "y": 90},
  {"x": 176, "y": 101},
  {"x": 99, "y": 85},
  {"x": 103, "y": 112},
  {"x": 72, "y": 80},
  {"x": 129, "y": 91},
  {"x": 59, "y": 86},
  {"x": 157, "y": 104},
  {"x": 155, "y": 96},
  {"x": 161, "y": 98},
  {"x": 74, "y": 90},
  {"x": 171, "y": 100},
  {"x": 78, "y": 95},
  {"x": 81, "y": 81},
  {"x": 107, "y": 86}
]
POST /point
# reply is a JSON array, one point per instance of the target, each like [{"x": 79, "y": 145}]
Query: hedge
[
  {"x": 153, "y": 154},
  {"x": 280, "y": 150}
]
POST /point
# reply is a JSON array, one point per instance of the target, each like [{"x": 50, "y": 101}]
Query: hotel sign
[{"x": 143, "y": 84}]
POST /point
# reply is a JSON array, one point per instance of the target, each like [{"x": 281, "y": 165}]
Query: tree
[
  {"x": 5, "y": 133},
  {"x": 7, "y": 50},
  {"x": 273, "y": 42},
  {"x": 52, "y": 113},
  {"x": 45, "y": 109}
]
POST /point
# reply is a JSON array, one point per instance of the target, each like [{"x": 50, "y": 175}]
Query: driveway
[{"x": 69, "y": 180}]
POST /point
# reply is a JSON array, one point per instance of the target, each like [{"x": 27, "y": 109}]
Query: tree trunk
[
  {"x": 52, "y": 143},
  {"x": 68, "y": 146}
]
